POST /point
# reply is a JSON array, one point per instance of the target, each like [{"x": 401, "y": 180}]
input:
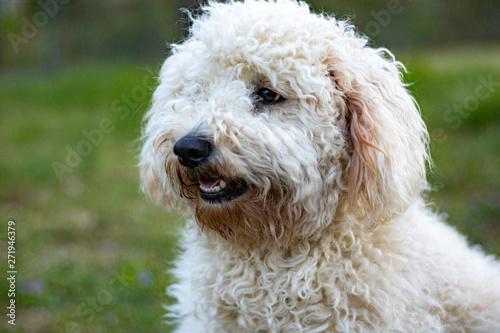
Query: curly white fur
[{"x": 332, "y": 234}]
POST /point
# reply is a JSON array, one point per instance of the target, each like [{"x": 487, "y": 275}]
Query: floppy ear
[{"x": 387, "y": 137}]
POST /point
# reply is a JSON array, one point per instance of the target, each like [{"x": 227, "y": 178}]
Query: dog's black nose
[{"x": 192, "y": 151}]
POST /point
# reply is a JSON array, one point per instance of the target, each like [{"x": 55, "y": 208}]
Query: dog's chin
[{"x": 220, "y": 191}]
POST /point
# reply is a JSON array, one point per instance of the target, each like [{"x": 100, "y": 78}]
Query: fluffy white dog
[{"x": 301, "y": 158}]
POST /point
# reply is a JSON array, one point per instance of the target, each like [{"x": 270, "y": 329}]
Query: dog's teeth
[
  {"x": 211, "y": 190},
  {"x": 212, "y": 186}
]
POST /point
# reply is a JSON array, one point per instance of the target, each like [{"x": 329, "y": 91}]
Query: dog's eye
[{"x": 268, "y": 96}]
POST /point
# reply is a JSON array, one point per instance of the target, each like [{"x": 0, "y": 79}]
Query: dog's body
[
  {"x": 415, "y": 275},
  {"x": 301, "y": 157}
]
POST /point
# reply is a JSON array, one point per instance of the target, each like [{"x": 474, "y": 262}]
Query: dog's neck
[{"x": 345, "y": 235}]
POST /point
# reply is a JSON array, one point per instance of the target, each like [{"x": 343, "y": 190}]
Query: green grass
[
  {"x": 464, "y": 149},
  {"x": 75, "y": 235}
]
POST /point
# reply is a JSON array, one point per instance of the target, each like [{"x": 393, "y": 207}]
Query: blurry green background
[{"x": 91, "y": 250}]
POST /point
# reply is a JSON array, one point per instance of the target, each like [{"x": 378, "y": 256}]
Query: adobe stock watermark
[
  {"x": 383, "y": 17},
  {"x": 454, "y": 116},
  {"x": 87, "y": 310},
  {"x": 92, "y": 138},
  {"x": 31, "y": 28}
]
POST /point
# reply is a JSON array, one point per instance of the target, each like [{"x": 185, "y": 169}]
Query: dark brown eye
[{"x": 268, "y": 96}]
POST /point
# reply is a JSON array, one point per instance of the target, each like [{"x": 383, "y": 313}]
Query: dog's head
[{"x": 271, "y": 122}]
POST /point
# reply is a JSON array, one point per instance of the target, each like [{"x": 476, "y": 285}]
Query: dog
[{"x": 300, "y": 158}]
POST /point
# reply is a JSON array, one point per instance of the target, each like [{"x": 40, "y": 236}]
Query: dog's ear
[{"x": 387, "y": 137}]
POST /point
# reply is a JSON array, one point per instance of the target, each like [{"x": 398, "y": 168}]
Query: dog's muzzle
[{"x": 193, "y": 153}]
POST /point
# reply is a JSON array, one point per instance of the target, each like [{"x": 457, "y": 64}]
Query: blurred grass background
[{"x": 92, "y": 251}]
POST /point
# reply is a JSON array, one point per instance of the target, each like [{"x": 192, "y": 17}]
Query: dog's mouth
[{"x": 219, "y": 190}]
